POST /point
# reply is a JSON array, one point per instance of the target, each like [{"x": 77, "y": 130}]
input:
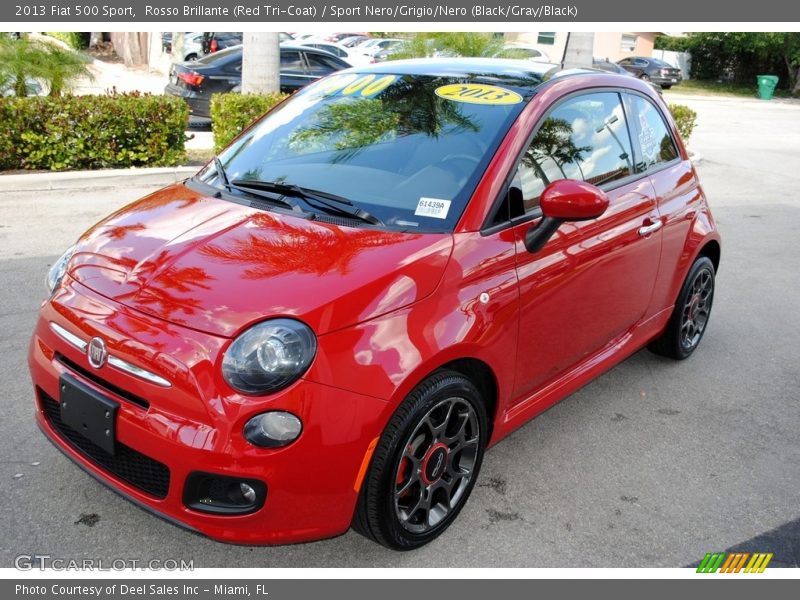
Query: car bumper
[
  {"x": 199, "y": 105},
  {"x": 666, "y": 80},
  {"x": 312, "y": 484}
]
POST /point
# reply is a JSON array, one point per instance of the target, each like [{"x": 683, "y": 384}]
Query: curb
[{"x": 67, "y": 180}]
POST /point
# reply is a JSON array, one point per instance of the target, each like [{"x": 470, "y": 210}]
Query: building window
[
  {"x": 628, "y": 43},
  {"x": 546, "y": 37}
]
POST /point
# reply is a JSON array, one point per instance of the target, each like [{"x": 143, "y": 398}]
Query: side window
[
  {"x": 584, "y": 138},
  {"x": 320, "y": 65},
  {"x": 655, "y": 140},
  {"x": 292, "y": 61}
]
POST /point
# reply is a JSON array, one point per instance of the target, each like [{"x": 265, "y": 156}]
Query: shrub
[
  {"x": 75, "y": 40},
  {"x": 685, "y": 119},
  {"x": 92, "y": 132},
  {"x": 232, "y": 113}
]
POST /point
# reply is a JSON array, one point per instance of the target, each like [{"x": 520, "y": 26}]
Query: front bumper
[{"x": 196, "y": 425}]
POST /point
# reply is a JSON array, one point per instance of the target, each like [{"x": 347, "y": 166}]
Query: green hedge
[
  {"x": 92, "y": 132},
  {"x": 232, "y": 113},
  {"x": 75, "y": 40},
  {"x": 685, "y": 119}
]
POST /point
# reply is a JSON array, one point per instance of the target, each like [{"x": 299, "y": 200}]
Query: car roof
[{"x": 521, "y": 73}]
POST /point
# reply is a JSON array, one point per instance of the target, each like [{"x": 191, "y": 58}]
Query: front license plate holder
[{"x": 89, "y": 413}]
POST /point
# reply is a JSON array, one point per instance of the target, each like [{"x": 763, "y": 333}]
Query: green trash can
[{"x": 766, "y": 86}]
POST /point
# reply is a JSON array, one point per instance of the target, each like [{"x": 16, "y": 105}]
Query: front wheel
[
  {"x": 690, "y": 316},
  {"x": 644, "y": 77},
  {"x": 425, "y": 465}
]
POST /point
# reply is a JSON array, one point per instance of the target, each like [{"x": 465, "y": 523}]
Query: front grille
[{"x": 133, "y": 467}]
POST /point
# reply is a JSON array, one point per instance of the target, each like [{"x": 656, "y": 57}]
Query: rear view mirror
[{"x": 565, "y": 200}]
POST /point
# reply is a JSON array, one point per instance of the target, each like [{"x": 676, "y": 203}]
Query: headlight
[
  {"x": 56, "y": 273},
  {"x": 269, "y": 356}
]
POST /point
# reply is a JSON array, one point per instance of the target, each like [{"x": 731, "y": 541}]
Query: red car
[{"x": 385, "y": 275}]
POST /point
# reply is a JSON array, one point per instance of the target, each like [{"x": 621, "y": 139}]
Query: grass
[
  {"x": 198, "y": 157},
  {"x": 714, "y": 88}
]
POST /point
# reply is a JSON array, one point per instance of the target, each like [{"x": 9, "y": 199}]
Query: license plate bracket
[{"x": 88, "y": 412}]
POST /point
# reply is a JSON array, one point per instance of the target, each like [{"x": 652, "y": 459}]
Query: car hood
[{"x": 217, "y": 266}]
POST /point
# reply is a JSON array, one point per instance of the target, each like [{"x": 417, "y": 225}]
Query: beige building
[{"x": 612, "y": 45}]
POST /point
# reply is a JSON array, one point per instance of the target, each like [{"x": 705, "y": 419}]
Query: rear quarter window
[{"x": 656, "y": 146}]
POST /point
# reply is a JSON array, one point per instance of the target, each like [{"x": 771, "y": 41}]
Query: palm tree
[
  {"x": 261, "y": 63},
  {"x": 25, "y": 59},
  {"x": 449, "y": 43}
]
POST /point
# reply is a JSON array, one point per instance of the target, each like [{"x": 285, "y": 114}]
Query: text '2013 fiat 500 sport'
[{"x": 385, "y": 275}]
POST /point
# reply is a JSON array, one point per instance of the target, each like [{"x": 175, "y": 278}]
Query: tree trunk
[
  {"x": 796, "y": 89},
  {"x": 579, "y": 50},
  {"x": 95, "y": 39},
  {"x": 131, "y": 47},
  {"x": 177, "y": 47},
  {"x": 261, "y": 63}
]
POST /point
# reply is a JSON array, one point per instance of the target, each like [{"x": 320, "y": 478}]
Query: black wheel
[
  {"x": 644, "y": 77},
  {"x": 666, "y": 87},
  {"x": 425, "y": 464},
  {"x": 690, "y": 317}
]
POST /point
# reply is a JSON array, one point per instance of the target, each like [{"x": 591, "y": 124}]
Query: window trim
[{"x": 488, "y": 228}]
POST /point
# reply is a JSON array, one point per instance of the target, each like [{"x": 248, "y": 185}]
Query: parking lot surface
[{"x": 652, "y": 465}]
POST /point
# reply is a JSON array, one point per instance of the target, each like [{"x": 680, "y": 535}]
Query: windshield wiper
[
  {"x": 323, "y": 200},
  {"x": 231, "y": 186}
]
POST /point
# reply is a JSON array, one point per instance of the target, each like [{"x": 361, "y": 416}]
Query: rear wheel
[
  {"x": 691, "y": 313},
  {"x": 425, "y": 465}
]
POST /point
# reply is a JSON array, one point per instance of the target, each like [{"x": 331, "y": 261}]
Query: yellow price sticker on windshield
[
  {"x": 354, "y": 84},
  {"x": 478, "y": 93}
]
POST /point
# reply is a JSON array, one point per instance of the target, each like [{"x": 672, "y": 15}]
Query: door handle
[{"x": 648, "y": 229}]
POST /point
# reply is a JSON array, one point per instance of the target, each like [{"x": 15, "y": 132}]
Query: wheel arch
[
  {"x": 713, "y": 251},
  {"x": 484, "y": 378}
]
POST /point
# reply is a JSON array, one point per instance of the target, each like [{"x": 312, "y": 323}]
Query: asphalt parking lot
[{"x": 652, "y": 465}]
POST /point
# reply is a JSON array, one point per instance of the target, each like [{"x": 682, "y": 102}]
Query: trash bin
[{"x": 766, "y": 86}]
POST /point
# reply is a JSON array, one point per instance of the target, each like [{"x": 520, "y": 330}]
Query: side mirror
[{"x": 565, "y": 200}]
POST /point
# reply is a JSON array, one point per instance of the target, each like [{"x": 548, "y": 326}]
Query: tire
[
  {"x": 689, "y": 318},
  {"x": 644, "y": 77},
  {"x": 666, "y": 87},
  {"x": 190, "y": 57},
  {"x": 425, "y": 464}
]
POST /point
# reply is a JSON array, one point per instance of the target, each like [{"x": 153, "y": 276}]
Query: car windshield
[{"x": 408, "y": 149}]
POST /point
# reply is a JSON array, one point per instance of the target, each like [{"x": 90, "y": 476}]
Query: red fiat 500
[{"x": 385, "y": 275}]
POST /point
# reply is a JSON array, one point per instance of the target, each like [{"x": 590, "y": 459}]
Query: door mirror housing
[{"x": 565, "y": 200}]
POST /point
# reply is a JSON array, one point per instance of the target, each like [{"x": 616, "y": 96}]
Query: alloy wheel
[{"x": 437, "y": 464}]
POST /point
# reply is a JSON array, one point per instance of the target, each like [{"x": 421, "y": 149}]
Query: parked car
[
  {"x": 523, "y": 52},
  {"x": 353, "y": 41},
  {"x": 349, "y": 55},
  {"x": 377, "y": 46},
  {"x": 604, "y": 64},
  {"x": 199, "y": 43},
  {"x": 196, "y": 81},
  {"x": 387, "y": 274},
  {"x": 340, "y": 35},
  {"x": 652, "y": 69}
]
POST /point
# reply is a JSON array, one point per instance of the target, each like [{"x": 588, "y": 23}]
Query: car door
[
  {"x": 676, "y": 187},
  {"x": 592, "y": 282}
]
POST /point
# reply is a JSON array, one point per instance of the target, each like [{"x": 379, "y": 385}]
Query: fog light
[
  {"x": 222, "y": 494},
  {"x": 273, "y": 429},
  {"x": 248, "y": 492}
]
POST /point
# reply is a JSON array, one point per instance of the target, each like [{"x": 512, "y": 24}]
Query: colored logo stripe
[
  {"x": 734, "y": 562},
  {"x": 758, "y": 563}
]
